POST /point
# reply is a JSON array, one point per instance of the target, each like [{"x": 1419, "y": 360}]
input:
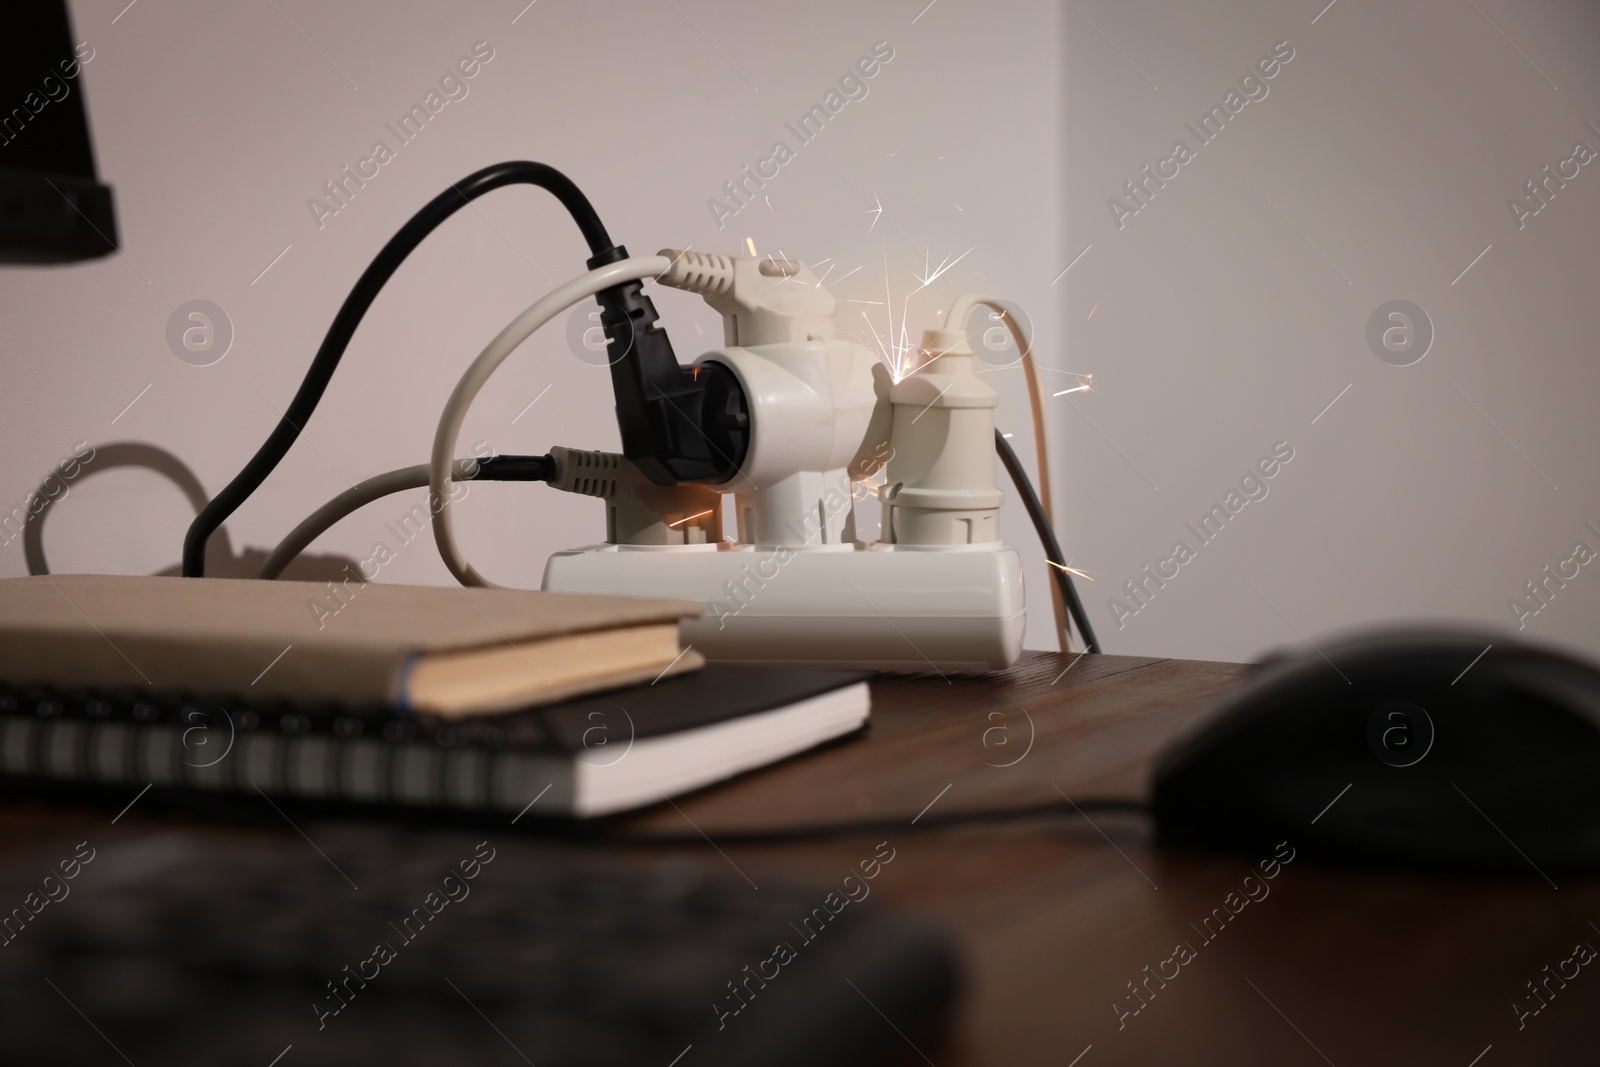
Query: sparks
[
  {"x": 1069, "y": 570},
  {"x": 894, "y": 348},
  {"x": 1085, "y": 385},
  {"x": 928, "y": 277},
  {"x": 870, "y": 486},
  {"x": 1092, "y": 310},
  {"x": 876, "y": 211},
  {"x": 691, "y": 518},
  {"x": 750, "y": 243}
]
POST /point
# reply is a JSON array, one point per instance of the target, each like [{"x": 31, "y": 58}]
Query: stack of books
[{"x": 494, "y": 700}]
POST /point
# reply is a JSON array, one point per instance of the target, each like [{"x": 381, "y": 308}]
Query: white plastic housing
[
  {"x": 818, "y": 405},
  {"x": 878, "y": 608},
  {"x": 941, "y": 488},
  {"x": 815, "y": 426}
]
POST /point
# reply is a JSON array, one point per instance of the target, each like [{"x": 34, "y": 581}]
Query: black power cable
[
  {"x": 1047, "y": 537},
  {"x": 372, "y": 280},
  {"x": 513, "y": 469}
]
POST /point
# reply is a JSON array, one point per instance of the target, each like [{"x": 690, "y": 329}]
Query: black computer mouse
[{"x": 1421, "y": 749}]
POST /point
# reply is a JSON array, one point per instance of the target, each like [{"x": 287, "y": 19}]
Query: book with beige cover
[{"x": 447, "y": 652}]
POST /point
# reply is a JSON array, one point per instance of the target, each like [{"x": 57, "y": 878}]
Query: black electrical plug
[{"x": 678, "y": 424}]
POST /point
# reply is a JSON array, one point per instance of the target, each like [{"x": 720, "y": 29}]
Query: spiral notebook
[{"x": 584, "y": 757}]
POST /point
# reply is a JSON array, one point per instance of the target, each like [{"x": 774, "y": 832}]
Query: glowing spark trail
[
  {"x": 928, "y": 277},
  {"x": 691, "y": 518},
  {"x": 876, "y": 211},
  {"x": 1085, "y": 385}
]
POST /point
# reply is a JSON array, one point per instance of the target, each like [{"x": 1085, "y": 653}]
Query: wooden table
[{"x": 1055, "y": 916}]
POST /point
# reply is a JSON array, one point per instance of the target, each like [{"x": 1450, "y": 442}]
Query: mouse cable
[
  {"x": 343, "y": 328},
  {"x": 819, "y": 831},
  {"x": 1047, "y": 537},
  {"x": 491, "y": 469}
]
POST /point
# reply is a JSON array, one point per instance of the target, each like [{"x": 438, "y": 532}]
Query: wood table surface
[{"x": 1055, "y": 916}]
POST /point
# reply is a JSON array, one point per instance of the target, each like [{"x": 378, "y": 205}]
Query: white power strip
[
  {"x": 939, "y": 592},
  {"x": 884, "y": 607}
]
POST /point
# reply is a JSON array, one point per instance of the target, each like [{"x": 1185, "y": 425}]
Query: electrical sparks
[
  {"x": 694, "y": 373},
  {"x": 928, "y": 277},
  {"x": 894, "y": 346},
  {"x": 690, "y": 518},
  {"x": 1085, "y": 384},
  {"x": 892, "y": 340},
  {"x": 876, "y": 211},
  {"x": 1069, "y": 570},
  {"x": 750, "y": 243},
  {"x": 870, "y": 487},
  {"x": 1092, "y": 310}
]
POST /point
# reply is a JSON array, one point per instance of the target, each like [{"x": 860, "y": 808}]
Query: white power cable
[
  {"x": 495, "y": 353},
  {"x": 357, "y": 496},
  {"x": 956, "y": 319}
]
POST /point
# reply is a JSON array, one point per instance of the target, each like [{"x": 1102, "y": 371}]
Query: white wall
[{"x": 1392, "y": 141}]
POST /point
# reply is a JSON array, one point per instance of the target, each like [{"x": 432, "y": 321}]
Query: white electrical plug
[
  {"x": 819, "y": 417},
  {"x": 639, "y": 513},
  {"x": 941, "y": 490}
]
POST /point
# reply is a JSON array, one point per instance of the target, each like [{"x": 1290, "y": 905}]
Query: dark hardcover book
[{"x": 589, "y": 756}]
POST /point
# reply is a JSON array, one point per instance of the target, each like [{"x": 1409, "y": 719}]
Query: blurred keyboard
[{"x": 397, "y": 948}]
